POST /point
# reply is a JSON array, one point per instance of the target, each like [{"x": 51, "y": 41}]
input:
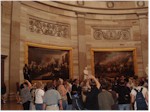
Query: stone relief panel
[
  {"x": 111, "y": 34},
  {"x": 51, "y": 28}
]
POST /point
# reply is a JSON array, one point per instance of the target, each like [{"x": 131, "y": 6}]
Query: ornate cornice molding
[
  {"x": 51, "y": 28},
  {"x": 111, "y": 34}
]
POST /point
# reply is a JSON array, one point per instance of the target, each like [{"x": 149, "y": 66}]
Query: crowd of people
[{"x": 89, "y": 94}]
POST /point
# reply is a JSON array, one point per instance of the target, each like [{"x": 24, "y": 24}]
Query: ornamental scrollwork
[
  {"x": 49, "y": 28},
  {"x": 111, "y": 34},
  {"x": 125, "y": 34},
  {"x": 98, "y": 34}
]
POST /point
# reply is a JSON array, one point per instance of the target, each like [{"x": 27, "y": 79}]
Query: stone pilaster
[
  {"x": 81, "y": 43},
  {"x": 14, "y": 75},
  {"x": 143, "y": 19}
]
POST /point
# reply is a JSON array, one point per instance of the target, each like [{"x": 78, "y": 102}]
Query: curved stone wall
[{"x": 107, "y": 4}]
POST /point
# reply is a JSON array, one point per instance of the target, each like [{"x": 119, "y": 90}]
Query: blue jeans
[
  {"x": 39, "y": 106},
  {"x": 64, "y": 104},
  {"x": 124, "y": 106},
  {"x": 69, "y": 107}
]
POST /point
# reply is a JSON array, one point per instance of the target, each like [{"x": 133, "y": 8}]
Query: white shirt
[
  {"x": 39, "y": 93},
  {"x": 133, "y": 92}
]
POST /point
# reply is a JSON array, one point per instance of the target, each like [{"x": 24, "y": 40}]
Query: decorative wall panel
[
  {"x": 55, "y": 29},
  {"x": 111, "y": 34}
]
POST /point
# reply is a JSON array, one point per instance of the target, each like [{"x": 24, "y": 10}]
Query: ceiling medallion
[
  {"x": 110, "y": 4},
  {"x": 140, "y": 3}
]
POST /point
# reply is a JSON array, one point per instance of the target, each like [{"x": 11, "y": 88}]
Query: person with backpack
[{"x": 139, "y": 96}]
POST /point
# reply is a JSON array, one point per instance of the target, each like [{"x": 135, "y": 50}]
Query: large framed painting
[
  {"x": 48, "y": 62},
  {"x": 114, "y": 62}
]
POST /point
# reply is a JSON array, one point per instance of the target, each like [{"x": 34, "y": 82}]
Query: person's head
[
  {"x": 135, "y": 77},
  {"x": 109, "y": 86},
  {"x": 34, "y": 85},
  {"x": 39, "y": 84},
  {"x": 76, "y": 81},
  {"x": 25, "y": 84},
  {"x": 54, "y": 82},
  {"x": 116, "y": 78},
  {"x": 84, "y": 83},
  {"x": 49, "y": 85},
  {"x": 104, "y": 84},
  {"x": 60, "y": 81},
  {"x": 65, "y": 82},
  {"x": 21, "y": 86},
  {"x": 122, "y": 77},
  {"x": 141, "y": 83},
  {"x": 92, "y": 83},
  {"x": 122, "y": 82},
  {"x": 136, "y": 82}
]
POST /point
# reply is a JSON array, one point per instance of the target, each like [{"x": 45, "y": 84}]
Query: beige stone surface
[{"x": 5, "y": 38}]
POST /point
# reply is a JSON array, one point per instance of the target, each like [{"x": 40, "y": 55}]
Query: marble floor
[{"x": 11, "y": 106}]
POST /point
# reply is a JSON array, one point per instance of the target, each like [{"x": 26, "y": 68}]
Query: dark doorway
[{"x": 2, "y": 67}]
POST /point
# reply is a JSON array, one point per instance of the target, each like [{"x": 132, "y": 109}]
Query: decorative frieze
[
  {"x": 55, "y": 29},
  {"x": 111, "y": 34}
]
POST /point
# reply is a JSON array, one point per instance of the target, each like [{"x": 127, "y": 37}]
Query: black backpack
[{"x": 140, "y": 100}]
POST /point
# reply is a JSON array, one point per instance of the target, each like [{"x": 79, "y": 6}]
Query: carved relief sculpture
[
  {"x": 111, "y": 34},
  {"x": 49, "y": 28}
]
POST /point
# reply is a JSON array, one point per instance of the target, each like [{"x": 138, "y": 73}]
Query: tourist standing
[
  {"x": 105, "y": 99},
  {"x": 39, "y": 93},
  {"x": 63, "y": 92},
  {"x": 139, "y": 88},
  {"x": 52, "y": 99},
  {"x": 124, "y": 98},
  {"x": 92, "y": 93},
  {"x": 26, "y": 95}
]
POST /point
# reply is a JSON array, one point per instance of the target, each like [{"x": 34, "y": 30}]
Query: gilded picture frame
[
  {"x": 113, "y": 62},
  {"x": 49, "y": 62}
]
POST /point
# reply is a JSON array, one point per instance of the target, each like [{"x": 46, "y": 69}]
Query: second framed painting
[
  {"x": 114, "y": 62},
  {"x": 48, "y": 62}
]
